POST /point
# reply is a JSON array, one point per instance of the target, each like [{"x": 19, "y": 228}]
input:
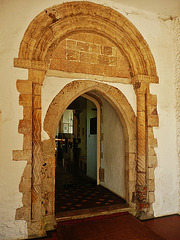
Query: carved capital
[
  {"x": 36, "y": 76},
  {"x": 145, "y": 79},
  {"x": 141, "y": 83}
]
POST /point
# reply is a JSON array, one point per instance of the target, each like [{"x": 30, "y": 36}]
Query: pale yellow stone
[
  {"x": 24, "y": 86},
  {"x": 151, "y": 173},
  {"x": 151, "y": 197}
]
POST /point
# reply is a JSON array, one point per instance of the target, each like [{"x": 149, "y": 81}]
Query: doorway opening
[
  {"x": 76, "y": 139},
  {"x": 77, "y": 152}
]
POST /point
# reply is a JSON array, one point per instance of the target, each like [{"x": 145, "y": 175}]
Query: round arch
[
  {"x": 56, "y": 23},
  {"x": 41, "y": 38}
]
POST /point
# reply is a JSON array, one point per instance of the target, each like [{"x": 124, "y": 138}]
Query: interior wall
[
  {"x": 91, "y": 143},
  {"x": 176, "y": 25},
  {"x": 83, "y": 134},
  {"x": 113, "y": 149},
  {"x": 15, "y": 17}
]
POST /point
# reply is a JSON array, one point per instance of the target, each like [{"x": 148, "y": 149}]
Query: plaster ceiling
[{"x": 169, "y": 8}]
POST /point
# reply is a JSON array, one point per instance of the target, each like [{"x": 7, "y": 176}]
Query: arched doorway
[
  {"x": 40, "y": 41},
  {"x": 84, "y": 154},
  {"x": 123, "y": 109}
]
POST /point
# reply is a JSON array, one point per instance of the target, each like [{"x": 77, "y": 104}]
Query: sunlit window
[{"x": 67, "y": 121}]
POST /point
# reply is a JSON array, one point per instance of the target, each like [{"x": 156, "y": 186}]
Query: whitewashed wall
[
  {"x": 176, "y": 27},
  {"x": 15, "y": 17},
  {"x": 113, "y": 148}
]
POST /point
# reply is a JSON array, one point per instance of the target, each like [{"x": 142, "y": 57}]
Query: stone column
[
  {"x": 141, "y": 89},
  {"x": 37, "y": 77}
]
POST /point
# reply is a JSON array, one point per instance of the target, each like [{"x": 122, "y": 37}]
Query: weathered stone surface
[
  {"x": 27, "y": 171},
  {"x": 153, "y": 121},
  {"x": 47, "y": 185},
  {"x": 24, "y": 86},
  {"x": 150, "y": 132},
  {"x": 29, "y": 64},
  {"x": 36, "y": 102},
  {"x": 91, "y": 54},
  {"x": 141, "y": 106},
  {"x": 27, "y": 142},
  {"x": 151, "y": 173},
  {"x": 27, "y": 113},
  {"x": 25, "y": 185},
  {"x": 151, "y": 185},
  {"x": 141, "y": 163},
  {"x": 26, "y": 199},
  {"x": 37, "y": 89},
  {"x": 49, "y": 222},
  {"x": 151, "y": 197},
  {"x": 153, "y": 142},
  {"x": 48, "y": 147},
  {"x": 25, "y": 100},
  {"x": 110, "y": 27},
  {"x": 36, "y": 76},
  {"x": 152, "y": 161},
  {"x": 132, "y": 190},
  {"x": 141, "y": 179},
  {"x": 141, "y": 131},
  {"x": 35, "y": 229},
  {"x": 141, "y": 147},
  {"x": 152, "y": 100},
  {"x": 132, "y": 160},
  {"x": 132, "y": 174},
  {"x": 36, "y": 210},
  {"x": 23, "y": 213},
  {"x": 140, "y": 87},
  {"x": 151, "y": 109},
  {"x": 25, "y": 126},
  {"x": 21, "y": 155}
]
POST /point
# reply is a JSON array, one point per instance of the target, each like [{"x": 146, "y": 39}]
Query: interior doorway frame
[
  {"x": 97, "y": 103},
  {"x": 124, "y": 111},
  {"x": 39, "y": 41}
]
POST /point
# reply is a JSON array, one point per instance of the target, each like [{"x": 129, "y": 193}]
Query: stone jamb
[
  {"x": 38, "y": 42},
  {"x": 147, "y": 118}
]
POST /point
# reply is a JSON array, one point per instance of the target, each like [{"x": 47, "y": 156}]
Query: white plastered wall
[
  {"x": 113, "y": 149},
  {"x": 15, "y": 17},
  {"x": 160, "y": 40},
  {"x": 176, "y": 27}
]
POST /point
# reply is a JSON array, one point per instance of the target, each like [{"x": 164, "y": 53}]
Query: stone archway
[
  {"x": 41, "y": 38},
  {"x": 124, "y": 112}
]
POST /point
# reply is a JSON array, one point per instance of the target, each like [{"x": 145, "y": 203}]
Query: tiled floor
[
  {"x": 74, "y": 192},
  {"x": 166, "y": 227}
]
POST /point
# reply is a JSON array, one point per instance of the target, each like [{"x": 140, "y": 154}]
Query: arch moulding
[{"x": 41, "y": 38}]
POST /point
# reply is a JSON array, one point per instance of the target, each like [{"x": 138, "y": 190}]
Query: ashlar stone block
[
  {"x": 24, "y": 86},
  {"x": 25, "y": 100},
  {"x": 23, "y": 213}
]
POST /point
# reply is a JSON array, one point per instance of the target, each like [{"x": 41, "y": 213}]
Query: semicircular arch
[{"x": 58, "y": 22}]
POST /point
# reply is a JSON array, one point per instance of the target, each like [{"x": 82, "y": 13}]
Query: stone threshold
[{"x": 92, "y": 212}]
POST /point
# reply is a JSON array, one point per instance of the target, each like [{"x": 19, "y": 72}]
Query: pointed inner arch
[{"x": 117, "y": 100}]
